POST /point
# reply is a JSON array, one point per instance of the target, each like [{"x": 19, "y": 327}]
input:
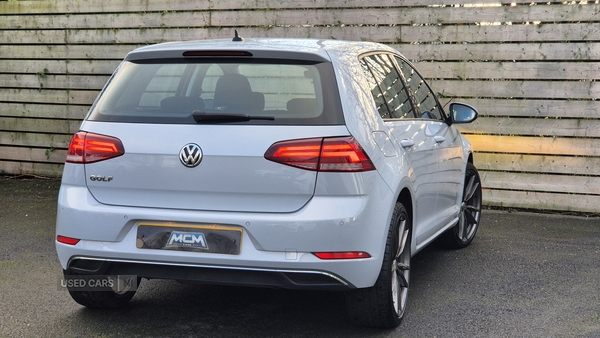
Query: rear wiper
[{"x": 203, "y": 117}]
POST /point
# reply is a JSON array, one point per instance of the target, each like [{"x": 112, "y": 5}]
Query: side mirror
[{"x": 462, "y": 113}]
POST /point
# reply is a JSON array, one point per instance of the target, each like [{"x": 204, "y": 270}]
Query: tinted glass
[
  {"x": 425, "y": 99},
  {"x": 387, "y": 87},
  {"x": 169, "y": 92},
  {"x": 375, "y": 91}
]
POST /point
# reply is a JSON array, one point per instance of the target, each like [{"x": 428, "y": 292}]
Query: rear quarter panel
[{"x": 365, "y": 124}]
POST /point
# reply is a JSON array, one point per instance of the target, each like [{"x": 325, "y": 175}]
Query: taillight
[
  {"x": 336, "y": 154},
  {"x": 88, "y": 147},
  {"x": 344, "y": 154},
  {"x": 298, "y": 153}
]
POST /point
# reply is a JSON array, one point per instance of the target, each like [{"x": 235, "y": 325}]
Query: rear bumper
[{"x": 276, "y": 248}]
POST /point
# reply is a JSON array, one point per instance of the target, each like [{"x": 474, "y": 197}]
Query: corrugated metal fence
[{"x": 529, "y": 67}]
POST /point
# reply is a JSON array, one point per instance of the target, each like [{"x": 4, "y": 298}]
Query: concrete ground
[{"x": 525, "y": 275}]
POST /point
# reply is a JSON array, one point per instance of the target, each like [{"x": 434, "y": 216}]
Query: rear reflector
[
  {"x": 342, "y": 255},
  {"x": 87, "y": 148},
  {"x": 336, "y": 154},
  {"x": 67, "y": 240}
]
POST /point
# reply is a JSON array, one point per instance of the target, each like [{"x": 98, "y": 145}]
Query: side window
[
  {"x": 426, "y": 102},
  {"x": 388, "y": 88},
  {"x": 375, "y": 91}
]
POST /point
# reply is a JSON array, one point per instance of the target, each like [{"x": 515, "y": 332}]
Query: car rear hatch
[
  {"x": 223, "y": 108},
  {"x": 233, "y": 174}
]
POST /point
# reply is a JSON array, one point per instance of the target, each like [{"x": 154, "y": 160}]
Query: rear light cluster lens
[
  {"x": 338, "y": 154},
  {"x": 88, "y": 148}
]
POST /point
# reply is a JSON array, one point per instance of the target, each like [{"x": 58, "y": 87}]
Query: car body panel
[
  {"x": 450, "y": 173},
  {"x": 423, "y": 159}
]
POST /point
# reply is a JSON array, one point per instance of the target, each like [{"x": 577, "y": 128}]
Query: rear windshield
[{"x": 299, "y": 93}]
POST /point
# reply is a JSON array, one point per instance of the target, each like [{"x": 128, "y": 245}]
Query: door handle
[
  {"x": 406, "y": 143},
  {"x": 439, "y": 139}
]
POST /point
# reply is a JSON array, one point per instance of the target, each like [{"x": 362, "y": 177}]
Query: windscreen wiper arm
[{"x": 203, "y": 117}]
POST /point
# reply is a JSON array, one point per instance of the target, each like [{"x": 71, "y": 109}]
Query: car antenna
[{"x": 237, "y": 37}]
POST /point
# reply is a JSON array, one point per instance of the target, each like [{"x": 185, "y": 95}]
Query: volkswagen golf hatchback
[{"x": 285, "y": 163}]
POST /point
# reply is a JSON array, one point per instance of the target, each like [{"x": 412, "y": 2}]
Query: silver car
[{"x": 285, "y": 163}]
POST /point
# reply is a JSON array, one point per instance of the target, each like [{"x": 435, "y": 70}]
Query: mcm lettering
[{"x": 187, "y": 239}]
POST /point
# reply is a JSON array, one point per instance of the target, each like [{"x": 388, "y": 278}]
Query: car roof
[{"x": 285, "y": 48}]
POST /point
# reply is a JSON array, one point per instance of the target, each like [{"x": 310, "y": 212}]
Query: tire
[
  {"x": 383, "y": 305},
  {"x": 94, "y": 299},
  {"x": 463, "y": 233}
]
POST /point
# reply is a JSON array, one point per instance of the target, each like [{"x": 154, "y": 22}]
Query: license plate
[{"x": 196, "y": 238}]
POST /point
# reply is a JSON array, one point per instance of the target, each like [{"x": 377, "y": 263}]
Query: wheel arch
[{"x": 405, "y": 197}]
